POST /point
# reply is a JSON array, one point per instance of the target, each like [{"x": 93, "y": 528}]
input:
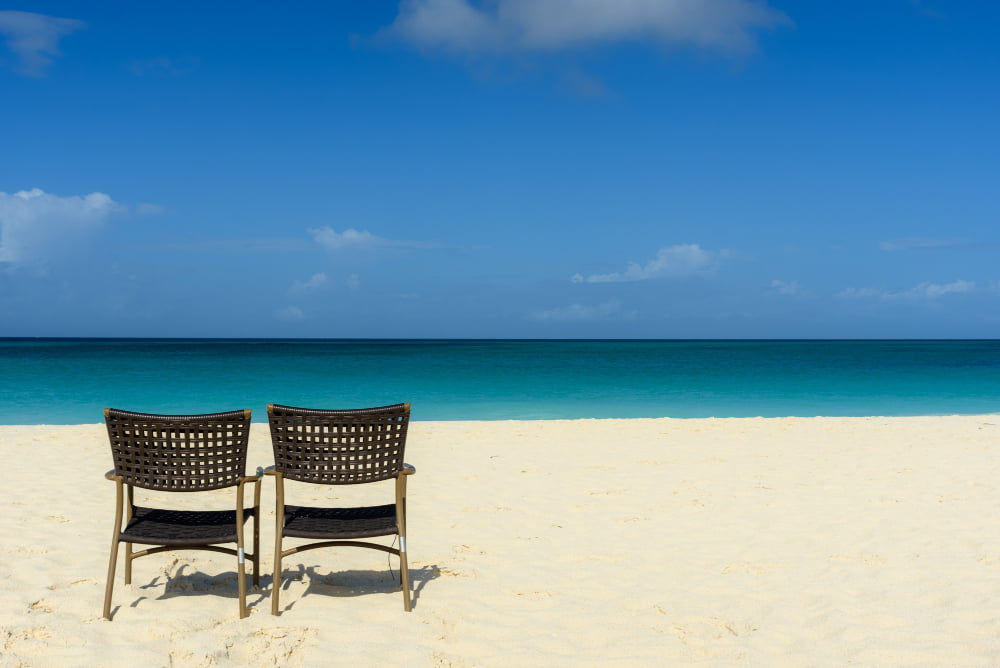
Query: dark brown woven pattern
[
  {"x": 336, "y": 523},
  {"x": 179, "y": 453},
  {"x": 338, "y": 447},
  {"x": 154, "y": 526}
]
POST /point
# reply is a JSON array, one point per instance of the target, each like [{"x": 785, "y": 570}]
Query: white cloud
[
  {"x": 580, "y": 312},
  {"x": 33, "y": 38},
  {"x": 924, "y": 291},
  {"x": 671, "y": 261},
  {"x": 934, "y": 290},
  {"x": 354, "y": 282},
  {"x": 34, "y": 223},
  {"x": 315, "y": 282},
  {"x": 331, "y": 239},
  {"x": 548, "y": 25}
]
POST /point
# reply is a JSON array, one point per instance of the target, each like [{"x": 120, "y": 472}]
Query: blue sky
[{"x": 513, "y": 168}]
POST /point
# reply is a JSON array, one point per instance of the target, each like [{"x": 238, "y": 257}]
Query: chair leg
[
  {"x": 241, "y": 580},
  {"x": 129, "y": 507},
  {"x": 241, "y": 561},
  {"x": 115, "y": 540},
  {"x": 276, "y": 578},
  {"x": 279, "y": 525},
  {"x": 404, "y": 568},
  {"x": 109, "y": 588},
  {"x": 404, "y": 574},
  {"x": 256, "y": 549}
]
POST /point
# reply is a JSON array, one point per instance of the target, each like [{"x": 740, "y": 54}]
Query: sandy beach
[{"x": 759, "y": 542}]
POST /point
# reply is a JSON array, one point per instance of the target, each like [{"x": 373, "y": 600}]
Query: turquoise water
[{"x": 70, "y": 381}]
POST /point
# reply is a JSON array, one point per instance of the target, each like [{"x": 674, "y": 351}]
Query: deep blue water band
[{"x": 69, "y": 381}]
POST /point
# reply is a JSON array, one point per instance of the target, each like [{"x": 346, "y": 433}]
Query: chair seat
[
  {"x": 336, "y": 523},
  {"x": 156, "y": 526}
]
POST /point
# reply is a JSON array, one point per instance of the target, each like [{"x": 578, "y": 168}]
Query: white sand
[{"x": 759, "y": 542}]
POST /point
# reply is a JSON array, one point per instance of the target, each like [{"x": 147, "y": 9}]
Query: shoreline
[
  {"x": 593, "y": 419},
  {"x": 644, "y": 541}
]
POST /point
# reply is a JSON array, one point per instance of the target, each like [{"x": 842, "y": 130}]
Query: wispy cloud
[
  {"x": 34, "y": 38},
  {"x": 582, "y": 84},
  {"x": 672, "y": 261},
  {"x": 163, "y": 66},
  {"x": 332, "y": 240},
  {"x": 313, "y": 283},
  {"x": 923, "y": 291},
  {"x": 575, "y": 312},
  {"x": 147, "y": 209},
  {"x": 290, "y": 314},
  {"x": 935, "y": 290},
  {"x": 34, "y": 223},
  {"x": 787, "y": 288},
  {"x": 549, "y": 25},
  {"x": 325, "y": 237},
  {"x": 255, "y": 245},
  {"x": 924, "y": 9},
  {"x": 919, "y": 243}
]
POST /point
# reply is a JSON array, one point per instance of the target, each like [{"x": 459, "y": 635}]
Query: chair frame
[
  {"x": 151, "y": 478},
  {"x": 280, "y": 471}
]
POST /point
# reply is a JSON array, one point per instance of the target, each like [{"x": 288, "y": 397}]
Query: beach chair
[
  {"x": 181, "y": 453},
  {"x": 339, "y": 447}
]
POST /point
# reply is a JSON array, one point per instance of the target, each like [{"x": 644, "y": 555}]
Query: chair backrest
[
  {"x": 179, "y": 453},
  {"x": 338, "y": 447}
]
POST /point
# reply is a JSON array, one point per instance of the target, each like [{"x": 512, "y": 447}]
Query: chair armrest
[
  {"x": 112, "y": 476},
  {"x": 407, "y": 469},
  {"x": 253, "y": 478}
]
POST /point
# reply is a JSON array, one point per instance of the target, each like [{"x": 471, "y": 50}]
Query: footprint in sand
[
  {"x": 41, "y": 605},
  {"x": 10, "y": 640},
  {"x": 867, "y": 559},
  {"x": 531, "y": 595},
  {"x": 74, "y": 583},
  {"x": 751, "y": 568}
]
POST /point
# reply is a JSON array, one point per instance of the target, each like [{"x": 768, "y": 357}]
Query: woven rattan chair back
[
  {"x": 338, "y": 447},
  {"x": 179, "y": 453}
]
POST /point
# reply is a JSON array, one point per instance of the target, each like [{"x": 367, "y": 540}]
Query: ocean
[{"x": 70, "y": 381}]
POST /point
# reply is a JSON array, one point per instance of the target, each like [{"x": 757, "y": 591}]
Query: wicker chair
[
  {"x": 181, "y": 453},
  {"x": 339, "y": 447}
]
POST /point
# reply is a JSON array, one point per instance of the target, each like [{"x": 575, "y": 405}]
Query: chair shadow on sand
[
  {"x": 353, "y": 583},
  {"x": 332, "y": 584}
]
